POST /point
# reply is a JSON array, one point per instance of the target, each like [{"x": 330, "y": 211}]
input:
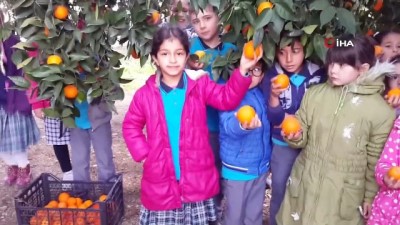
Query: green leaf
[
  {"x": 96, "y": 93},
  {"x": 57, "y": 89},
  {"x": 20, "y": 82},
  {"x": 44, "y": 71},
  {"x": 49, "y": 112},
  {"x": 78, "y": 57},
  {"x": 33, "y": 21},
  {"x": 319, "y": 47},
  {"x": 284, "y": 11},
  {"x": 264, "y": 19},
  {"x": 24, "y": 63},
  {"x": 69, "y": 122},
  {"x": 327, "y": 15},
  {"x": 124, "y": 81},
  {"x": 66, "y": 112},
  {"x": 309, "y": 50},
  {"x": 258, "y": 36},
  {"x": 285, "y": 41},
  {"x": 304, "y": 39},
  {"x": 60, "y": 41},
  {"x": 319, "y": 4},
  {"x": 69, "y": 79},
  {"x": 309, "y": 29},
  {"x": 98, "y": 22},
  {"x": 346, "y": 19},
  {"x": 53, "y": 78},
  {"x": 250, "y": 16}
]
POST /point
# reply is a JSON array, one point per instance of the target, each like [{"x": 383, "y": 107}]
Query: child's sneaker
[
  {"x": 12, "y": 175},
  {"x": 68, "y": 175},
  {"x": 24, "y": 177}
]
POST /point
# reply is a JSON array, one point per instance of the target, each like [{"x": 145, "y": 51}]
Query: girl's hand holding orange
[
  {"x": 393, "y": 97},
  {"x": 392, "y": 178},
  {"x": 291, "y": 129},
  {"x": 247, "y": 63}
]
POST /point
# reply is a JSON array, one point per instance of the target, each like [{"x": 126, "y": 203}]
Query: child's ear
[
  {"x": 155, "y": 61},
  {"x": 364, "y": 68}
]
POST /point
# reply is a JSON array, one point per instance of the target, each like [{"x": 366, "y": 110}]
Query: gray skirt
[
  {"x": 56, "y": 132},
  {"x": 17, "y": 132},
  {"x": 197, "y": 213}
]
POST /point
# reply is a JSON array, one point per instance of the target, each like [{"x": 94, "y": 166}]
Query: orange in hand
[
  {"x": 245, "y": 114},
  {"x": 249, "y": 50},
  {"x": 290, "y": 125},
  {"x": 282, "y": 80},
  {"x": 394, "y": 173},
  {"x": 395, "y": 92}
]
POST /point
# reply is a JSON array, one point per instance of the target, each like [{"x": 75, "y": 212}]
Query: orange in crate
[
  {"x": 63, "y": 197},
  {"x": 102, "y": 198}
]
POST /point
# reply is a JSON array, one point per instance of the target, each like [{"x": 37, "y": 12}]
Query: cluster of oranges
[{"x": 77, "y": 215}]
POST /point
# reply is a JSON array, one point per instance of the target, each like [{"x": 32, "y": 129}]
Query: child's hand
[
  {"x": 293, "y": 136},
  {"x": 39, "y": 113},
  {"x": 276, "y": 90},
  {"x": 365, "y": 210},
  {"x": 390, "y": 182},
  {"x": 195, "y": 65},
  {"x": 246, "y": 64},
  {"x": 393, "y": 100},
  {"x": 255, "y": 123}
]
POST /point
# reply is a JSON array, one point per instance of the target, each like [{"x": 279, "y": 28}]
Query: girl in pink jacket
[
  {"x": 179, "y": 174},
  {"x": 386, "y": 205}
]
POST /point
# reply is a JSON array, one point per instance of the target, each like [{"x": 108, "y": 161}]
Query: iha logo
[{"x": 333, "y": 42}]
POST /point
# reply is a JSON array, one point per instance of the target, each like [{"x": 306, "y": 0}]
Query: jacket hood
[
  {"x": 368, "y": 83},
  {"x": 371, "y": 82}
]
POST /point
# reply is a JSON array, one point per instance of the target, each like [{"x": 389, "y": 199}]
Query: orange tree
[{"x": 84, "y": 38}]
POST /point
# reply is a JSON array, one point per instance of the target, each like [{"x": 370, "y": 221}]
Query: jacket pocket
[
  {"x": 154, "y": 172},
  {"x": 351, "y": 198}
]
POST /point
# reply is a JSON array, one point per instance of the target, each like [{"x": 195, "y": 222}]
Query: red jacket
[
  {"x": 199, "y": 176},
  {"x": 33, "y": 94}
]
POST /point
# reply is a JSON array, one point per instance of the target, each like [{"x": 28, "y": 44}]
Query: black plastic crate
[{"x": 47, "y": 187}]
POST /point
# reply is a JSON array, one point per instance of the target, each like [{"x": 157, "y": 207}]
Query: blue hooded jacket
[{"x": 247, "y": 151}]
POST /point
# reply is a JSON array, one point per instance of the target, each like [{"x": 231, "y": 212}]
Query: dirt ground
[{"x": 42, "y": 159}]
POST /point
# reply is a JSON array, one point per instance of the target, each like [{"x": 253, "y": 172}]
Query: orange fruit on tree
[
  {"x": 227, "y": 28},
  {"x": 370, "y": 32},
  {"x": 102, "y": 198},
  {"x": 246, "y": 29},
  {"x": 264, "y": 5},
  {"x": 63, "y": 197},
  {"x": 71, "y": 92},
  {"x": 156, "y": 16},
  {"x": 46, "y": 32},
  {"x": 395, "y": 92},
  {"x": 61, "y": 12},
  {"x": 290, "y": 125},
  {"x": 378, "y": 5},
  {"x": 54, "y": 60},
  {"x": 249, "y": 50},
  {"x": 134, "y": 54},
  {"x": 282, "y": 80},
  {"x": 245, "y": 114},
  {"x": 378, "y": 50},
  {"x": 394, "y": 172}
]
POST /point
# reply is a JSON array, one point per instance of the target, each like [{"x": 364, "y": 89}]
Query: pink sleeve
[
  {"x": 226, "y": 96},
  {"x": 389, "y": 156},
  {"x": 132, "y": 129},
  {"x": 32, "y": 93}
]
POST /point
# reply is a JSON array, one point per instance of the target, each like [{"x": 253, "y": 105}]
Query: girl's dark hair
[
  {"x": 165, "y": 32},
  {"x": 354, "y": 51},
  {"x": 379, "y": 36}
]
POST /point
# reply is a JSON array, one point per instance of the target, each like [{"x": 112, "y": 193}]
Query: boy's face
[
  {"x": 291, "y": 59},
  {"x": 182, "y": 16},
  {"x": 256, "y": 74},
  {"x": 205, "y": 23},
  {"x": 390, "y": 45}
]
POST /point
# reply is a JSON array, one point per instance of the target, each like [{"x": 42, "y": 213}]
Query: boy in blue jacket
[{"x": 245, "y": 154}]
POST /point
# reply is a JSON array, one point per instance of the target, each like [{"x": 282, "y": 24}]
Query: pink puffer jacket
[{"x": 199, "y": 176}]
